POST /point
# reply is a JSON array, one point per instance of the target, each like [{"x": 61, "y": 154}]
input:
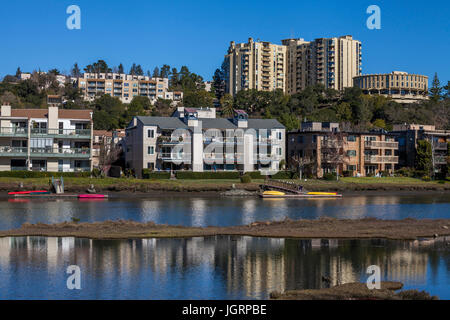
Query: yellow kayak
[
  {"x": 322, "y": 193},
  {"x": 273, "y": 193}
]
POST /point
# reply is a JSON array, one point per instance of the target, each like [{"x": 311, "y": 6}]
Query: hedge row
[
  {"x": 283, "y": 175},
  {"x": 208, "y": 175},
  {"x": 148, "y": 174},
  {"x": 43, "y": 174}
]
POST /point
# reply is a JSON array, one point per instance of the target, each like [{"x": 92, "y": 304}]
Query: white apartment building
[
  {"x": 194, "y": 139},
  {"x": 50, "y": 139},
  {"x": 125, "y": 87}
]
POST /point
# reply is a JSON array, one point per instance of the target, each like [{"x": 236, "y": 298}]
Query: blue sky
[{"x": 414, "y": 35}]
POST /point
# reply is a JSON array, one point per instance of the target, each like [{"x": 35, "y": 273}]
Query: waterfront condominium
[
  {"x": 255, "y": 65},
  {"x": 125, "y": 87},
  {"x": 292, "y": 66},
  {"x": 194, "y": 139},
  {"x": 400, "y": 86},
  {"x": 332, "y": 62},
  {"x": 45, "y": 139},
  {"x": 321, "y": 147}
]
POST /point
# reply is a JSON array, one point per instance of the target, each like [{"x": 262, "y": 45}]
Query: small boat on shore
[
  {"x": 273, "y": 193},
  {"x": 33, "y": 192},
  {"x": 92, "y": 196}
]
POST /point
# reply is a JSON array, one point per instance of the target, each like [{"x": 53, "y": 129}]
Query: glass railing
[
  {"x": 5, "y": 131},
  {"x": 6, "y": 150},
  {"x": 64, "y": 132},
  {"x": 63, "y": 152}
]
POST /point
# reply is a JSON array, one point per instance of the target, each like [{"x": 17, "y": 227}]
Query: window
[
  {"x": 150, "y": 133},
  {"x": 151, "y": 150},
  {"x": 279, "y": 151},
  {"x": 351, "y": 153},
  {"x": 351, "y": 138},
  {"x": 279, "y": 135},
  {"x": 300, "y": 139},
  {"x": 351, "y": 168}
]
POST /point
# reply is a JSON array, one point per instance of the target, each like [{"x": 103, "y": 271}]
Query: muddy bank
[
  {"x": 355, "y": 291},
  {"x": 307, "y": 229}
]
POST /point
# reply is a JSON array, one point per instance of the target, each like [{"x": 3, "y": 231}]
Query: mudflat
[{"x": 308, "y": 229}]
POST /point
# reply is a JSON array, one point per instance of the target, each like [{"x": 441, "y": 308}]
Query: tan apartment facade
[
  {"x": 400, "y": 86},
  {"x": 126, "y": 87},
  {"x": 332, "y": 62},
  {"x": 255, "y": 65},
  {"x": 326, "y": 150}
]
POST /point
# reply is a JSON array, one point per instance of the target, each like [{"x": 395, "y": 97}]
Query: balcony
[
  {"x": 380, "y": 159},
  {"x": 13, "y": 132},
  {"x": 62, "y": 133},
  {"x": 440, "y": 146},
  {"x": 78, "y": 153},
  {"x": 169, "y": 156},
  {"x": 167, "y": 140},
  {"x": 440, "y": 159},
  {"x": 6, "y": 151},
  {"x": 381, "y": 145}
]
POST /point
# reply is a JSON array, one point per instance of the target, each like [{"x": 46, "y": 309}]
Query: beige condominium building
[
  {"x": 125, "y": 87},
  {"x": 321, "y": 148},
  {"x": 400, "y": 86},
  {"x": 194, "y": 139},
  {"x": 332, "y": 62},
  {"x": 255, "y": 65},
  {"x": 45, "y": 139}
]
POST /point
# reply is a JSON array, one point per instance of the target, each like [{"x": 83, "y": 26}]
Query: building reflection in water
[{"x": 242, "y": 266}]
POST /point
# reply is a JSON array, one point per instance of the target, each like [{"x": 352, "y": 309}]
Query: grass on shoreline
[{"x": 131, "y": 184}]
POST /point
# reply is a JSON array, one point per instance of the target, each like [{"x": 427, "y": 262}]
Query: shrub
[
  {"x": 207, "y": 175},
  {"x": 347, "y": 173},
  {"x": 329, "y": 176},
  {"x": 148, "y": 174},
  {"x": 256, "y": 175},
  {"x": 283, "y": 175},
  {"x": 96, "y": 172},
  {"x": 43, "y": 174},
  {"x": 246, "y": 178},
  {"x": 426, "y": 178}
]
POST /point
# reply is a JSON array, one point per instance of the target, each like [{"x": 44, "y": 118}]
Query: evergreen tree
[
  {"x": 436, "y": 90},
  {"x": 424, "y": 157},
  {"x": 156, "y": 72},
  {"x": 18, "y": 73},
  {"x": 76, "y": 71},
  {"x": 120, "y": 69}
]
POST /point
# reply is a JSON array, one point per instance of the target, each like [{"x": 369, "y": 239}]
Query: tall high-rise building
[
  {"x": 292, "y": 66},
  {"x": 255, "y": 65},
  {"x": 332, "y": 62}
]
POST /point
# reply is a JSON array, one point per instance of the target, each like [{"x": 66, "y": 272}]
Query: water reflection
[
  {"x": 221, "y": 211},
  {"x": 222, "y": 267}
]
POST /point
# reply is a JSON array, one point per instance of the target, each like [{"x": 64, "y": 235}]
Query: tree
[
  {"x": 436, "y": 90},
  {"x": 219, "y": 83},
  {"x": 198, "y": 99},
  {"x": 120, "y": 68},
  {"x": 108, "y": 112},
  {"x": 447, "y": 90},
  {"x": 155, "y": 72},
  {"x": 424, "y": 156},
  {"x": 333, "y": 149},
  {"x": 343, "y": 111},
  {"x": 379, "y": 123},
  {"x": 18, "y": 73},
  {"x": 165, "y": 71},
  {"x": 226, "y": 105},
  {"x": 54, "y": 72},
  {"x": 76, "y": 71},
  {"x": 174, "y": 79}
]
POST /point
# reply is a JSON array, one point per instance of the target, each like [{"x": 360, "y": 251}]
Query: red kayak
[
  {"x": 92, "y": 196},
  {"x": 28, "y": 192}
]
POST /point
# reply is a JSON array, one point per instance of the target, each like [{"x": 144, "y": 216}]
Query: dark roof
[
  {"x": 162, "y": 122},
  {"x": 208, "y": 123}
]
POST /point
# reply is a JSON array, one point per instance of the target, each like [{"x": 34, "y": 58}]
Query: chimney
[
  {"x": 6, "y": 111},
  {"x": 53, "y": 117}
]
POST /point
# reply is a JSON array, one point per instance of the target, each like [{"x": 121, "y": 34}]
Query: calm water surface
[
  {"x": 220, "y": 211},
  {"x": 221, "y": 267}
]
